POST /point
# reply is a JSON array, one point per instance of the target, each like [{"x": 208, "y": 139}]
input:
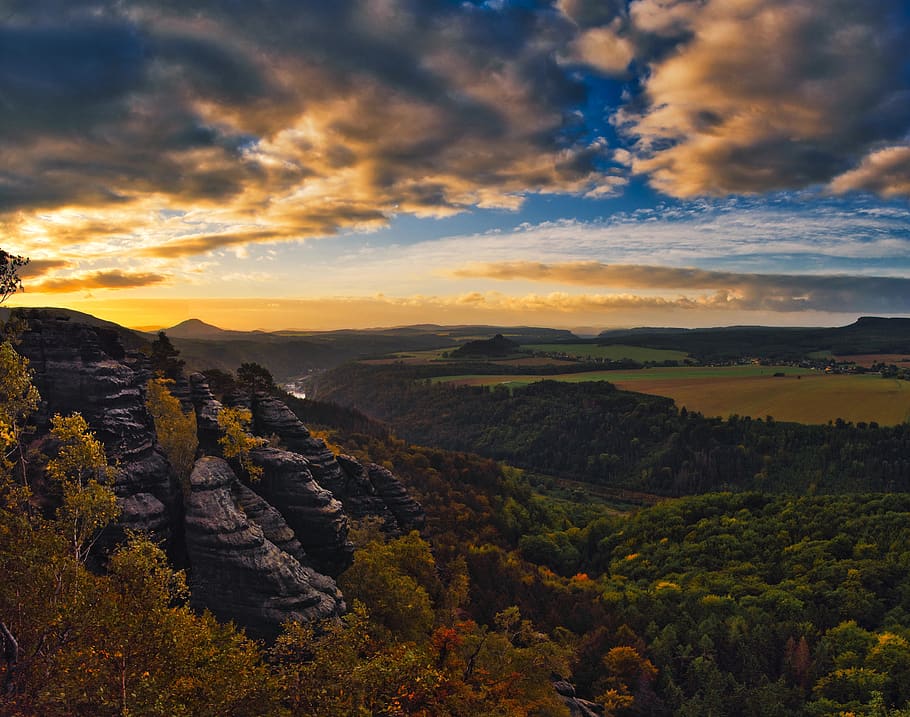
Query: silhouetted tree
[
  {"x": 164, "y": 358},
  {"x": 10, "y": 283},
  {"x": 254, "y": 378}
]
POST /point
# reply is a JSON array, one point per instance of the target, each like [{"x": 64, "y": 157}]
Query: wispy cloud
[{"x": 96, "y": 280}]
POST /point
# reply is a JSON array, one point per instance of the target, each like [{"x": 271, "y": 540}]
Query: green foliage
[
  {"x": 397, "y": 583},
  {"x": 164, "y": 359},
  {"x": 175, "y": 429},
  {"x": 81, "y": 469},
  {"x": 598, "y": 434},
  {"x": 255, "y": 378}
]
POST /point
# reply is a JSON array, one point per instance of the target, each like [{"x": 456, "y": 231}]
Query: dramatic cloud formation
[
  {"x": 886, "y": 172},
  {"x": 156, "y": 145},
  {"x": 96, "y": 280},
  {"x": 759, "y": 95},
  {"x": 302, "y": 119}
]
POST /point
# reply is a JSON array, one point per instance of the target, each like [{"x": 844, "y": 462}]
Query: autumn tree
[
  {"x": 18, "y": 401},
  {"x": 176, "y": 429},
  {"x": 237, "y": 442},
  {"x": 82, "y": 471}
]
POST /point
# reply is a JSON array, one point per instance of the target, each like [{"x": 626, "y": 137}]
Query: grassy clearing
[
  {"x": 751, "y": 391},
  {"x": 614, "y": 352}
]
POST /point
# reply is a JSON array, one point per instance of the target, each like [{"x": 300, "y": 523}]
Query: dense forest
[
  {"x": 744, "y": 603},
  {"x": 597, "y": 433}
]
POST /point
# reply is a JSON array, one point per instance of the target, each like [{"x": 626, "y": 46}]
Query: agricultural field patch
[
  {"x": 868, "y": 360},
  {"x": 798, "y": 395},
  {"x": 614, "y": 352}
]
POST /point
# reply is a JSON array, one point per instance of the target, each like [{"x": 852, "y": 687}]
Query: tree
[
  {"x": 164, "y": 359},
  {"x": 255, "y": 378},
  {"x": 237, "y": 442},
  {"x": 18, "y": 401},
  {"x": 83, "y": 473},
  {"x": 176, "y": 430},
  {"x": 10, "y": 283}
]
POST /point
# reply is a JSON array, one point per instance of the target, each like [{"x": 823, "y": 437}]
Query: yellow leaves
[
  {"x": 175, "y": 429},
  {"x": 81, "y": 467},
  {"x": 237, "y": 442}
]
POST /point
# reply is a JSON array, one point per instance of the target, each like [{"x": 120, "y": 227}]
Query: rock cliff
[
  {"x": 83, "y": 368},
  {"x": 258, "y": 554},
  {"x": 236, "y": 570},
  {"x": 363, "y": 490}
]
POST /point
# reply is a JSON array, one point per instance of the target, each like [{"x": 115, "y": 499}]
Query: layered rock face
[
  {"x": 260, "y": 554},
  {"x": 85, "y": 369},
  {"x": 318, "y": 520},
  {"x": 236, "y": 570},
  {"x": 363, "y": 490}
]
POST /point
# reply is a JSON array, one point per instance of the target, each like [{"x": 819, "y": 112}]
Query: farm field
[
  {"x": 614, "y": 352},
  {"x": 868, "y": 360},
  {"x": 752, "y": 391}
]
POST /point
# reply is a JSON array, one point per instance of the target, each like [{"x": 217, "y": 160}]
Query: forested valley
[
  {"x": 596, "y": 433},
  {"x": 674, "y": 565}
]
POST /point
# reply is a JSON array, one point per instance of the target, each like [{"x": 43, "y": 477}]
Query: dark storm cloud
[
  {"x": 287, "y": 110},
  {"x": 282, "y": 119}
]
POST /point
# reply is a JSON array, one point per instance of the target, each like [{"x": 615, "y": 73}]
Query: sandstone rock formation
[
  {"x": 363, "y": 490},
  {"x": 235, "y": 570},
  {"x": 83, "y": 368},
  {"x": 257, "y": 554},
  {"x": 318, "y": 520},
  {"x": 577, "y": 706}
]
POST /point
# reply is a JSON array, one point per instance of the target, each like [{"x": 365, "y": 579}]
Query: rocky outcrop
[
  {"x": 318, "y": 520},
  {"x": 363, "y": 490},
  {"x": 83, "y": 368},
  {"x": 577, "y": 706},
  {"x": 358, "y": 495},
  {"x": 236, "y": 570},
  {"x": 207, "y": 408},
  {"x": 258, "y": 554},
  {"x": 407, "y": 511}
]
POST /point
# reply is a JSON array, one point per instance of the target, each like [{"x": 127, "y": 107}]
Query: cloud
[
  {"x": 302, "y": 119},
  {"x": 41, "y": 267},
  {"x": 95, "y": 280},
  {"x": 728, "y": 290},
  {"x": 762, "y": 95},
  {"x": 885, "y": 172}
]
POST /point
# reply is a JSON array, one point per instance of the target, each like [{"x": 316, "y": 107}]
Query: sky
[{"x": 277, "y": 164}]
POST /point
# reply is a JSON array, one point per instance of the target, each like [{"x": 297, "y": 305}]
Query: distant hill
[
  {"x": 289, "y": 354},
  {"x": 867, "y": 335},
  {"x": 499, "y": 345}
]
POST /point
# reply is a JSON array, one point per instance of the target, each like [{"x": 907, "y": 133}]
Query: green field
[
  {"x": 614, "y": 352},
  {"x": 800, "y": 395}
]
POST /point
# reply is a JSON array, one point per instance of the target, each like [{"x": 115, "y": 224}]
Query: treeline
[{"x": 599, "y": 434}]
